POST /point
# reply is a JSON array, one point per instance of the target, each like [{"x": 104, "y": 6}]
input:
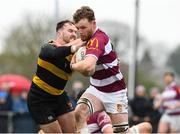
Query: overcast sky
[{"x": 159, "y": 19}]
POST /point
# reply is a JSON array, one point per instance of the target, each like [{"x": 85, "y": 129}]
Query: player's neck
[{"x": 95, "y": 29}]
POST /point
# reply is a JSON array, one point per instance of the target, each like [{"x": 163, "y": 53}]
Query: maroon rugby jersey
[
  {"x": 107, "y": 76},
  {"x": 171, "y": 96}
]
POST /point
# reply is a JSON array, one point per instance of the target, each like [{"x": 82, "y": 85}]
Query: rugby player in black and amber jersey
[{"x": 47, "y": 101}]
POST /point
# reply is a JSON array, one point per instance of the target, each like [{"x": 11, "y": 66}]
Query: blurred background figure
[
  {"x": 170, "y": 102},
  {"x": 13, "y": 105},
  {"x": 5, "y": 105},
  {"x": 17, "y": 87},
  {"x": 22, "y": 121},
  {"x": 140, "y": 106},
  {"x": 20, "y": 102},
  {"x": 77, "y": 86},
  {"x": 5, "y": 97},
  {"x": 155, "y": 114}
]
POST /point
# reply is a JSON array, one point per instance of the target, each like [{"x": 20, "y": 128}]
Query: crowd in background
[
  {"x": 14, "y": 113},
  {"x": 12, "y": 101},
  {"x": 141, "y": 107}
]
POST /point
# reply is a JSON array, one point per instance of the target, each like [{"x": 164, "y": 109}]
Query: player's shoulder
[
  {"x": 100, "y": 35},
  {"x": 100, "y": 32},
  {"x": 176, "y": 87},
  {"x": 47, "y": 45},
  {"x": 46, "y": 49}
]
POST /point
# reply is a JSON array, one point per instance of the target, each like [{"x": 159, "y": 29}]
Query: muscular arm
[
  {"x": 95, "y": 49},
  {"x": 86, "y": 66}
]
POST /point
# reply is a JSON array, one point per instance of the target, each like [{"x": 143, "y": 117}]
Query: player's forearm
[{"x": 83, "y": 67}]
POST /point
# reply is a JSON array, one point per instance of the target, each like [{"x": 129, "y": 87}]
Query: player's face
[
  {"x": 168, "y": 79},
  {"x": 140, "y": 93},
  {"x": 68, "y": 33},
  {"x": 85, "y": 28}
]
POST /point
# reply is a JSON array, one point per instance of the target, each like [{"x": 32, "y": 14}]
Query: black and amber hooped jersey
[{"x": 53, "y": 69}]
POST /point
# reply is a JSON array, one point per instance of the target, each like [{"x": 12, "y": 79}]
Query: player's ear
[{"x": 59, "y": 33}]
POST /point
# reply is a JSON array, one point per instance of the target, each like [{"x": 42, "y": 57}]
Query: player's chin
[{"x": 83, "y": 38}]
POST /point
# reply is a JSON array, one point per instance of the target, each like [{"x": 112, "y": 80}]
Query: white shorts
[
  {"x": 173, "y": 120},
  {"x": 115, "y": 102}
]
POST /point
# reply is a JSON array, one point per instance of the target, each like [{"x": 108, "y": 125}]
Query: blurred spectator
[
  {"x": 5, "y": 97},
  {"x": 170, "y": 101},
  {"x": 18, "y": 120},
  {"x": 77, "y": 86},
  {"x": 155, "y": 114},
  {"x": 140, "y": 106},
  {"x": 20, "y": 102},
  {"x": 22, "y": 121},
  {"x": 5, "y": 105}
]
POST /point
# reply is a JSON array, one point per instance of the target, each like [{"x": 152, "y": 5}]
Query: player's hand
[
  {"x": 77, "y": 44},
  {"x": 51, "y": 42}
]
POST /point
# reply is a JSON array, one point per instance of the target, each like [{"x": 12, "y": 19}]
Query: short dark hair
[
  {"x": 83, "y": 12},
  {"x": 62, "y": 23},
  {"x": 169, "y": 74}
]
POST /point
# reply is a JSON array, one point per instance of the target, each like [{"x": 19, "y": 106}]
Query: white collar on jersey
[{"x": 172, "y": 84}]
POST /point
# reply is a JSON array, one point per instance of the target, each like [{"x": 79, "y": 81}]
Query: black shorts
[{"x": 45, "y": 108}]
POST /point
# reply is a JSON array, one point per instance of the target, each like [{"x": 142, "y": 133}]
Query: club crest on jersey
[{"x": 119, "y": 107}]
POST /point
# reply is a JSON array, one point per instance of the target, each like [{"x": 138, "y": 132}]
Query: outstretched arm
[{"x": 54, "y": 50}]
